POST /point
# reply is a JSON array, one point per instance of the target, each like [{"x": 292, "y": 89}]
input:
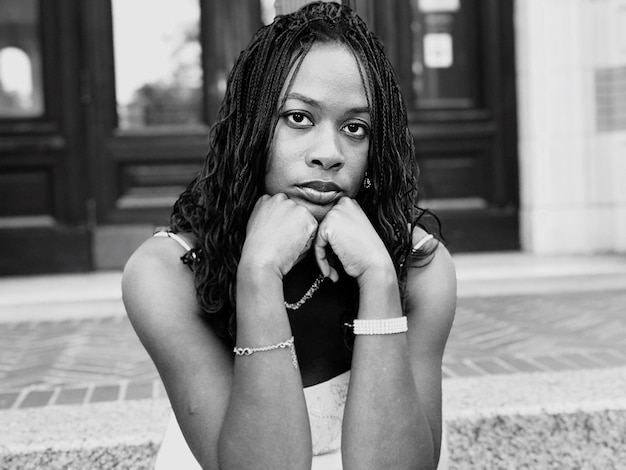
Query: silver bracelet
[
  {"x": 381, "y": 326},
  {"x": 285, "y": 344}
]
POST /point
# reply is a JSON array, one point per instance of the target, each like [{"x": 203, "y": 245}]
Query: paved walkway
[{"x": 66, "y": 339}]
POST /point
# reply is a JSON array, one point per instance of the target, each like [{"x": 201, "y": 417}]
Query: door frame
[
  {"x": 489, "y": 134},
  {"x": 136, "y": 175},
  {"x": 44, "y": 157}
]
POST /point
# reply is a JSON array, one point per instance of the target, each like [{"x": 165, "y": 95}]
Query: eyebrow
[
  {"x": 316, "y": 104},
  {"x": 304, "y": 99}
]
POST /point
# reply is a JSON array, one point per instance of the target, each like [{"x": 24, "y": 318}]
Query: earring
[{"x": 367, "y": 183}]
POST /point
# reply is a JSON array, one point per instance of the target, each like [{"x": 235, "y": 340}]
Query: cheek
[
  {"x": 364, "y": 163},
  {"x": 282, "y": 157},
  {"x": 356, "y": 179},
  {"x": 269, "y": 175},
  {"x": 274, "y": 172}
]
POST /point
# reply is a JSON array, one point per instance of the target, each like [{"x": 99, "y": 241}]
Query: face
[{"x": 320, "y": 146}]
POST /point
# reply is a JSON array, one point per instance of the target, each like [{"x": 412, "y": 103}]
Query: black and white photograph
[{"x": 312, "y": 235}]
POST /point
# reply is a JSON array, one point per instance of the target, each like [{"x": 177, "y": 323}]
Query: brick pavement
[
  {"x": 541, "y": 332},
  {"x": 92, "y": 360}
]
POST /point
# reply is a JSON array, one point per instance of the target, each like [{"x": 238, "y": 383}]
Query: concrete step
[
  {"x": 564, "y": 420},
  {"x": 122, "y": 435},
  {"x": 478, "y": 274},
  {"x": 568, "y": 419},
  {"x": 513, "y": 273}
]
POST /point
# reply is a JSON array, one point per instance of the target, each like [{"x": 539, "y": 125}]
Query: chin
[{"x": 317, "y": 211}]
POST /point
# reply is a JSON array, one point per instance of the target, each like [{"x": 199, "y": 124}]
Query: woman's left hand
[{"x": 347, "y": 231}]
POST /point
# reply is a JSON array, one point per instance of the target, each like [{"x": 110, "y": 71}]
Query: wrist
[
  {"x": 379, "y": 295},
  {"x": 382, "y": 275},
  {"x": 256, "y": 268},
  {"x": 260, "y": 313},
  {"x": 257, "y": 280}
]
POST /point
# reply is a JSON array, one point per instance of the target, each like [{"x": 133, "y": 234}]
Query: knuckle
[
  {"x": 262, "y": 201},
  {"x": 345, "y": 201}
]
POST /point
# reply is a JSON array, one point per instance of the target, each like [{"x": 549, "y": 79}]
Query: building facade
[
  {"x": 517, "y": 107},
  {"x": 571, "y": 88}
]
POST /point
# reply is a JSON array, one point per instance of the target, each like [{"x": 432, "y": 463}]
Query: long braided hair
[{"x": 216, "y": 205}]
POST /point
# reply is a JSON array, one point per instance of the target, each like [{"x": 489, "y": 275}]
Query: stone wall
[{"x": 571, "y": 76}]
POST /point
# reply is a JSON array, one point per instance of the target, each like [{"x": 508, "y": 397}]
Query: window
[
  {"x": 445, "y": 54},
  {"x": 158, "y": 69},
  {"x": 21, "y": 89}
]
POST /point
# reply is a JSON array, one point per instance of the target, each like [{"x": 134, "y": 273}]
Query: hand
[
  {"x": 348, "y": 232},
  {"x": 279, "y": 232}
]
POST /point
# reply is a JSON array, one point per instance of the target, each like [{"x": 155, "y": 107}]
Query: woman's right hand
[{"x": 279, "y": 232}]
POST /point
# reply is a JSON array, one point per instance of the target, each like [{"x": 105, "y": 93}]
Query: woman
[{"x": 312, "y": 286}]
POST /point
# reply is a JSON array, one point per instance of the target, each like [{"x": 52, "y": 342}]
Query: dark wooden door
[
  {"x": 455, "y": 61},
  {"x": 75, "y": 157},
  {"x": 43, "y": 217},
  {"x": 157, "y": 72}
]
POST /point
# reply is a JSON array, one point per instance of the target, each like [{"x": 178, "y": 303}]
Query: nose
[{"x": 325, "y": 151}]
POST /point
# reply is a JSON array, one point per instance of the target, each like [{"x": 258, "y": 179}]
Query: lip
[
  {"x": 320, "y": 192},
  {"x": 322, "y": 186}
]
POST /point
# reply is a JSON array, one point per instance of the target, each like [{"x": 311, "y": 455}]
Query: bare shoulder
[
  {"x": 155, "y": 273},
  {"x": 159, "y": 294},
  {"x": 431, "y": 291},
  {"x": 439, "y": 267}
]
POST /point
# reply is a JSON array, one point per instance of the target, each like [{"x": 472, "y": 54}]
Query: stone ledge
[
  {"x": 120, "y": 435},
  {"x": 584, "y": 439},
  {"x": 571, "y": 419},
  {"x": 120, "y": 456},
  {"x": 529, "y": 393}
]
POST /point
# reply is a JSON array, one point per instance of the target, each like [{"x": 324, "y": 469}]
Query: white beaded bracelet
[
  {"x": 285, "y": 344},
  {"x": 382, "y": 326}
]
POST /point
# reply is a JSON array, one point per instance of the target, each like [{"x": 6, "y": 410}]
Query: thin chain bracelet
[{"x": 285, "y": 344}]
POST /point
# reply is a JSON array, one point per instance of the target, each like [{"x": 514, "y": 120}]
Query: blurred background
[{"x": 517, "y": 107}]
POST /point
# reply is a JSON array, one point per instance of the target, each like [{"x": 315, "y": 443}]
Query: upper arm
[
  {"x": 431, "y": 304},
  {"x": 194, "y": 364}
]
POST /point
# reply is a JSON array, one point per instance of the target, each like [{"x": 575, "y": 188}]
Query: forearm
[
  {"x": 266, "y": 423},
  {"x": 384, "y": 423}
]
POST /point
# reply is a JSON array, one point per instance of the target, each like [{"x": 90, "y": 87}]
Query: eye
[
  {"x": 298, "y": 119},
  {"x": 357, "y": 130}
]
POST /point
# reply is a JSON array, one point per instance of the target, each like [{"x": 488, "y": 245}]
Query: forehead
[{"x": 329, "y": 72}]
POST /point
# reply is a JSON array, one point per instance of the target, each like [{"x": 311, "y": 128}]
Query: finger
[
  {"x": 321, "y": 255},
  {"x": 334, "y": 274},
  {"x": 319, "y": 246},
  {"x": 309, "y": 242}
]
